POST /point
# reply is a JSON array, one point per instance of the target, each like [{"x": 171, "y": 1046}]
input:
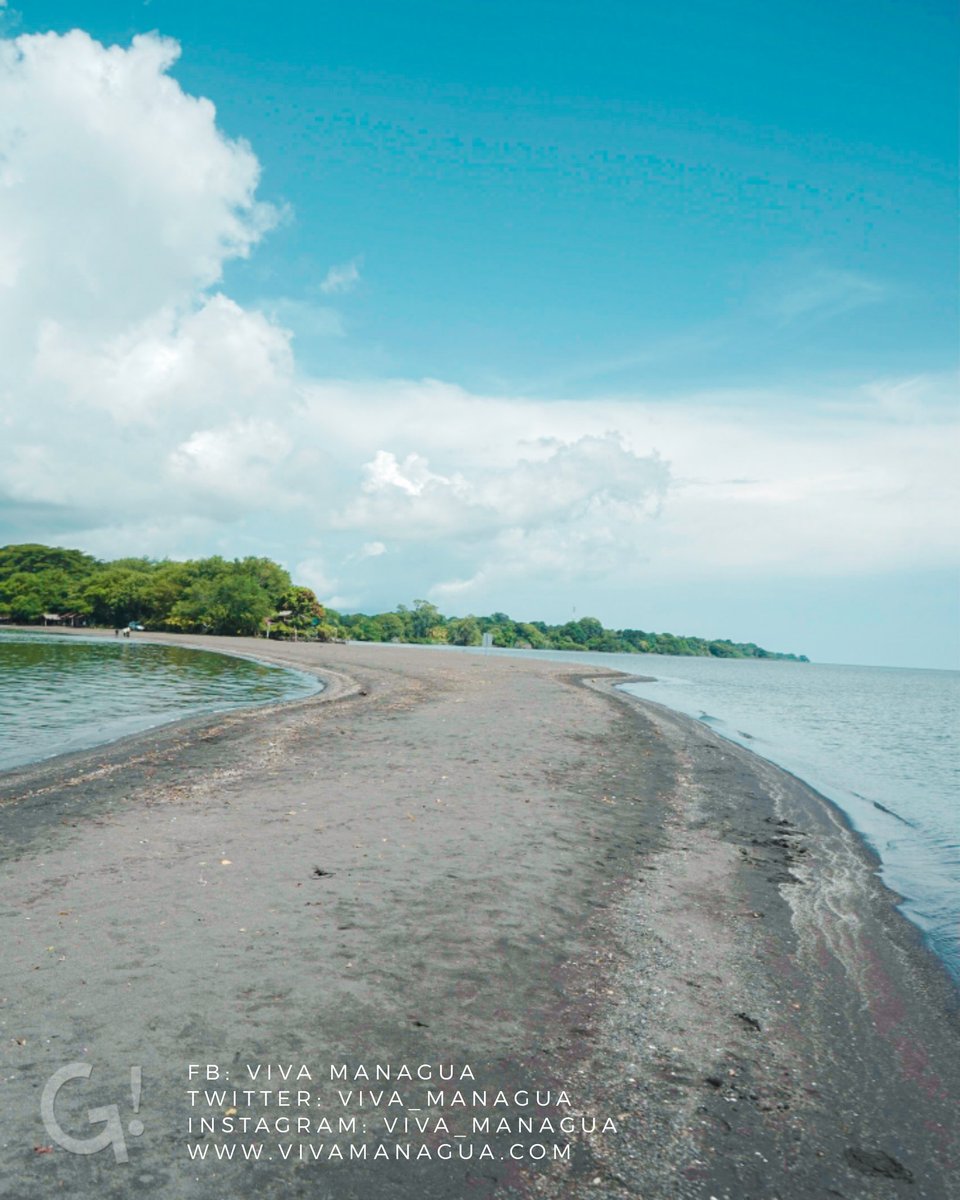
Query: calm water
[
  {"x": 880, "y": 742},
  {"x": 59, "y": 694}
]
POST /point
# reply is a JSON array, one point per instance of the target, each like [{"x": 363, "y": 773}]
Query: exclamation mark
[{"x": 136, "y": 1082}]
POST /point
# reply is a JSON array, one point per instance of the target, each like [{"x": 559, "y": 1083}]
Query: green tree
[
  {"x": 362, "y": 628},
  {"x": 391, "y": 626},
  {"x": 464, "y": 631},
  {"x": 214, "y": 595},
  {"x": 34, "y": 559},
  {"x": 425, "y": 616},
  {"x": 303, "y": 606},
  {"x": 267, "y": 574},
  {"x": 233, "y": 603},
  {"x": 533, "y": 635},
  {"x": 118, "y": 594}
]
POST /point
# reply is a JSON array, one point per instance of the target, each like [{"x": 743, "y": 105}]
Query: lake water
[
  {"x": 880, "y": 742},
  {"x": 62, "y": 693}
]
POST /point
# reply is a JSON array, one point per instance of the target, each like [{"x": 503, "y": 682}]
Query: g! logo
[{"x": 112, "y": 1132}]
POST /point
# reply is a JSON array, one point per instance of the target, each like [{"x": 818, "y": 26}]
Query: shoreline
[
  {"x": 870, "y": 854},
  {"x": 592, "y": 893},
  {"x": 131, "y": 737},
  {"x": 271, "y": 653}
]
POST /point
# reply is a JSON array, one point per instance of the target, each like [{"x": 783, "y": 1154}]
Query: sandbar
[{"x": 673, "y": 958}]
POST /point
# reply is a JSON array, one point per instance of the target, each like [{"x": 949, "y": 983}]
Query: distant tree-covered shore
[{"x": 43, "y": 585}]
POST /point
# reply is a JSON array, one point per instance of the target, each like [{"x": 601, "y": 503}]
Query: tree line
[
  {"x": 255, "y": 596},
  {"x": 204, "y": 595}
]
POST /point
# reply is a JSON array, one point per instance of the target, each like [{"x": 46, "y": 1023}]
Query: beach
[{"x": 456, "y": 875}]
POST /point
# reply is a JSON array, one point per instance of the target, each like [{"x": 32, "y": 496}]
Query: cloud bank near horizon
[{"x": 145, "y": 411}]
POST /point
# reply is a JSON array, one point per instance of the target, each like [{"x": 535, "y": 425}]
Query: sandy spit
[{"x": 669, "y": 957}]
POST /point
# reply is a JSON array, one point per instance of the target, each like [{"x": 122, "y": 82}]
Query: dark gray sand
[{"x": 585, "y": 907}]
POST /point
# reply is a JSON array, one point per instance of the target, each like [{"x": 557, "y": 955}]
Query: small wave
[
  {"x": 889, "y": 811},
  {"x": 883, "y": 808}
]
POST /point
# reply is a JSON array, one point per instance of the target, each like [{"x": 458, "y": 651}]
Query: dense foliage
[
  {"x": 254, "y": 595},
  {"x": 206, "y": 595},
  {"x": 424, "y": 623}
]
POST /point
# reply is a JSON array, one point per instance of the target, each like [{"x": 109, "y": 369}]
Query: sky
[{"x": 639, "y": 311}]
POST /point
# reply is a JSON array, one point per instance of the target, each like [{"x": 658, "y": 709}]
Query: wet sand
[{"x": 598, "y": 908}]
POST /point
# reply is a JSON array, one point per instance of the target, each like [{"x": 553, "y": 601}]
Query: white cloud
[
  {"x": 120, "y": 201},
  {"x": 412, "y": 477},
  {"x": 232, "y": 465},
  {"x": 342, "y": 278},
  {"x": 119, "y": 194},
  {"x": 761, "y": 483},
  {"x": 572, "y": 509},
  {"x": 314, "y": 573},
  {"x": 217, "y": 357}
]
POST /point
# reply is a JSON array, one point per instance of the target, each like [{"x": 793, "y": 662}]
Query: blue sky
[
  {"x": 571, "y": 188},
  {"x": 690, "y": 268}
]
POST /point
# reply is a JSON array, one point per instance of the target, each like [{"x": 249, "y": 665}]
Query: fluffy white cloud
[
  {"x": 835, "y": 481},
  {"x": 120, "y": 201},
  {"x": 217, "y": 358},
  {"x": 233, "y": 466},
  {"x": 119, "y": 194},
  {"x": 572, "y": 510}
]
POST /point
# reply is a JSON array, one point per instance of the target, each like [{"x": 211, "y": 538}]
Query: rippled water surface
[
  {"x": 880, "y": 742},
  {"x": 60, "y": 693}
]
